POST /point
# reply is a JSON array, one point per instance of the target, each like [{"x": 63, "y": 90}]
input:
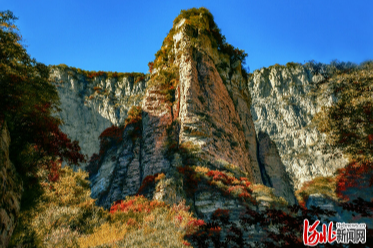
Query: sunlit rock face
[
  {"x": 89, "y": 106},
  {"x": 214, "y": 107},
  {"x": 206, "y": 116},
  {"x": 11, "y": 189},
  {"x": 284, "y": 101}
]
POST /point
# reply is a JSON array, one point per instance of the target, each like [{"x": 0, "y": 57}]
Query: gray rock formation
[
  {"x": 274, "y": 172},
  {"x": 10, "y": 189},
  {"x": 87, "y": 112},
  {"x": 120, "y": 172},
  {"x": 208, "y": 112},
  {"x": 157, "y": 117},
  {"x": 284, "y": 101}
]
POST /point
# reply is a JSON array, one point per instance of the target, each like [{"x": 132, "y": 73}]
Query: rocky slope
[
  {"x": 207, "y": 123},
  {"x": 10, "y": 189},
  {"x": 284, "y": 101},
  {"x": 90, "y": 105}
]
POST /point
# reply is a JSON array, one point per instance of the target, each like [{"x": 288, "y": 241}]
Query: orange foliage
[
  {"x": 96, "y": 74},
  {"x": 196, "y": 223},
  {"x": 139, "y": 79},
  {"x": 151, "y": 67}
]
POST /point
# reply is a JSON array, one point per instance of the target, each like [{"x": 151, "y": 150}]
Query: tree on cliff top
[{"x": 27, "y": 102}]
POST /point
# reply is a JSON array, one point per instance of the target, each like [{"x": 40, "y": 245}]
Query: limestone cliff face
[
  {"x": 10, "y": 189},
  {"x": 119, "y": 173},
  {"x": 213, "y": 114},
  {"x": 284, "y": 101},
  {"x": 89, "y": 106},
  {"x": 210, "y": 110}
]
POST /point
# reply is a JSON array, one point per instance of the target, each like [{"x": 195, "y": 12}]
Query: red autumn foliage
[
  {"x": 228, "y": 181},
  {"x": 218, "y": 175},
  {"x": 370, "y": 138},
  {"x": 139, "y": 79},
  {"x": 53, "y": 171},
  {"x": 186, "y": 243},
  {"x": 357, "y": 175},
  {"x": 113, "y": 136},
  {"x": 196, "y": 223},
  {"x": 147, "y": 182},
  {"x": 113, "y": 132},
  {"x": 218, "y": 213},
  {"x": 179, "y": 218},
  {"x": 96, "y": 74},
  {"x": 131, "y": 222},
  {"x": 49, "y": 139},
  {"x": 137, "y": 205},
  {"x": 215, "y": 229}
]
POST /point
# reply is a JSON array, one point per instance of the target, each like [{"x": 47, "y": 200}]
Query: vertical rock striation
[
  {"x": 284, "y": 101},
  {"x": 89, "y": 106},
  {"x": 119, "y": 173},
  {"x": 208, "y": 114},
  {"x": 10, "y": 189}
]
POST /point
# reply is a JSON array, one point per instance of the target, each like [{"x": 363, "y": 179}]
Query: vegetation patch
[
  {"x": 90, "y": 75},
  {"x": 319, "y": 185},
  {"x": 349, "y": 122},
  {"x": 66, "y": 216},
  {"x": 226, "y": 182}
]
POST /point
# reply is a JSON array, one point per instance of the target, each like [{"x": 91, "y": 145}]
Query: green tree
[
  {"x": 349, "y": 127},
  {"x": 28, "y": 102}
]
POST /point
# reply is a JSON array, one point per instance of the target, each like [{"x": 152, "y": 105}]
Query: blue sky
[{"x": 123, "y": 36}]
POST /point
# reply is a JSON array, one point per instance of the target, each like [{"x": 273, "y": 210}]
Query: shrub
[
  {"x": 322, "y": 185},
  {"x": 63, "y": 213},
  {"x": 354, "y": 180},
  {"x": 151, "y": 67},
  {"x": 138, "y": 79},
  {"x": 148, "y": 184},
  {"x": 134, "y": 115}
]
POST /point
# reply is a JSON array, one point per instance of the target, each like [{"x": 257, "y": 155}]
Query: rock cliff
[
  {"x": 284, "y": 101},
  {"x": 199, "y": 128},
  {"x": 89, "y": 105},
  {"x": 10, "y": 189},
  {"x": 195, "y": 114}
]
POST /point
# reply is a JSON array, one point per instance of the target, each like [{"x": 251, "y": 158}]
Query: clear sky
[{"x": 123, "y": 36}]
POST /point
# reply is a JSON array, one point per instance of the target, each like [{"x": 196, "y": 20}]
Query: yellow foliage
[
  {"x": 202, "y": 169},
  {"x": 104, "y": 234},
  {"x": 263, "y": 193},
  {"x": 320, "y": 185}
]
